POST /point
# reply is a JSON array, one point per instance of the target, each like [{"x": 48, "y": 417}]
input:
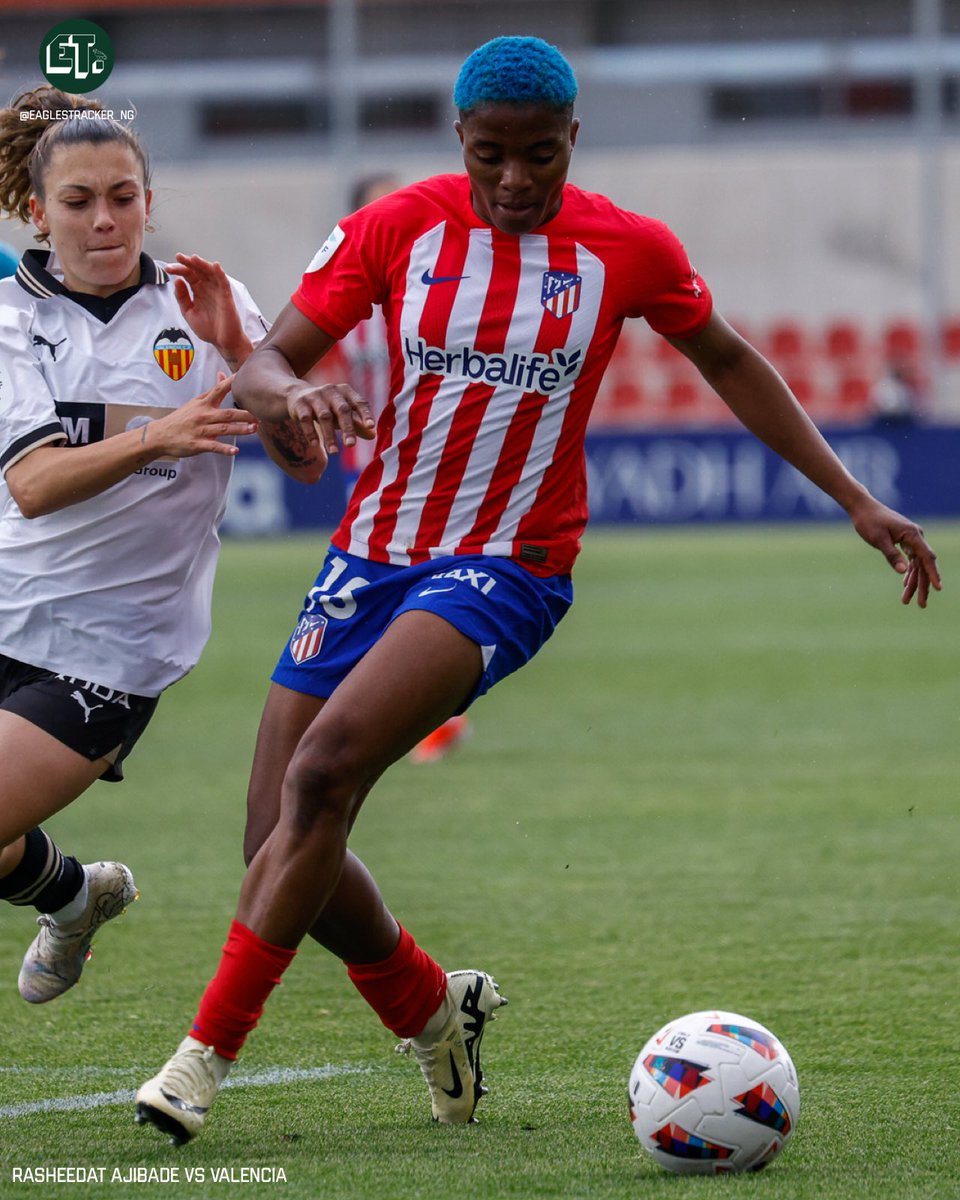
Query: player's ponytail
[{"x": 34, "y": 125}]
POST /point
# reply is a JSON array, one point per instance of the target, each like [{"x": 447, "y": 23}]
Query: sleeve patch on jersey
[{"x": 326, "y": 251}]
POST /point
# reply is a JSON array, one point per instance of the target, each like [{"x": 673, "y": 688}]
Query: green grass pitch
[{"x": 729, "y": 781}]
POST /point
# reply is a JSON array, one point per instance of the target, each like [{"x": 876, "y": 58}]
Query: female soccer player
[
  {"x": 362, "y": 358},
  {"x": 112, "y": 378},
  {"x": 504, "y": 291}
]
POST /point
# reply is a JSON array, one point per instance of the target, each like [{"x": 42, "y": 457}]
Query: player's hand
[
  {"x": 321, "y": 410},
  {"x": 197, "y": 426},
  {"x": 206, "y": 301},
  {"x": 902, "y": 543}
]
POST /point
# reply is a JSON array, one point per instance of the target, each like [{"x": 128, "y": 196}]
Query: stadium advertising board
[{"x": 667, "y": 478}]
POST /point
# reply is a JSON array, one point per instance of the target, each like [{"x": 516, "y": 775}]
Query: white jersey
[{"x": 115, "y": 589}]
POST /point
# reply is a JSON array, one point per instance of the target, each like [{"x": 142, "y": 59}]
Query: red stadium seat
[
  {"x": 853, "y": 396},
  {"x": 624, "y": 401},
  {"x": 843, "y": 340},
  {"x": 664, "y": 353},
  {"x": 802, "y": 387},
  {"x": 902, "y": 340},
  {"x": 628, "y": 347},
  {"x": 683, "y": 397},
  {"x": 950, "y": 339},
  {"x": 786, "y": 341}
]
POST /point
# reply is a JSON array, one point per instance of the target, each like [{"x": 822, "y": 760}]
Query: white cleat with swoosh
[
  {"x": 178, "y": 1098},
  {"x": 450, "y": 1062}
]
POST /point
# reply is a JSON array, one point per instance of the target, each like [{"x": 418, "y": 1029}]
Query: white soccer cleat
[
  {"x": 451, "y": 1063},
  {"x": 56, "y": 956},
  {"x": 178, "y": 1098}
]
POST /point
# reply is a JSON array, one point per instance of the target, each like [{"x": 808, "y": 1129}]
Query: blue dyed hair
[{"x": 515, "y": 70}]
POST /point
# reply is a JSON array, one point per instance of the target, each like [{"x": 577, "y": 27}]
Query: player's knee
[{"x": 321, "y": 784}]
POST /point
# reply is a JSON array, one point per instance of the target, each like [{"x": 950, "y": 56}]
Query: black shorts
[{"x": 94, "y": 720}]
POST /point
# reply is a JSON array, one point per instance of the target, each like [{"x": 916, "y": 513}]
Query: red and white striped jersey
[
  {"x": 497, "y": 344},
  {"x": 362, "y": 359}
]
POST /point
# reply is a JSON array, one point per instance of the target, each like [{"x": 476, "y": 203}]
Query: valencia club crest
[{"x": 173, "y": 351}]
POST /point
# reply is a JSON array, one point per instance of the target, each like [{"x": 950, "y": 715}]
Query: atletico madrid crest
[
  {"x": 560, "y": 293},
  {"x": 173, "y": 351},
  {"x": 307, "y": 637}
]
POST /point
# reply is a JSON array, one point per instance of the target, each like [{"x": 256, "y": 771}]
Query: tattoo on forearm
[{"x": 290, "y": 442}]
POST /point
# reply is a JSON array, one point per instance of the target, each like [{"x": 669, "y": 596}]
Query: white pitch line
[
  {"x": 265, "y": 1078},
  {"x": 70, "y": 1072}
]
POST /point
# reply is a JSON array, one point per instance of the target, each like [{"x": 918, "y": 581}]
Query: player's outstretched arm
[
  {"x": 301, "y": 419},
  {"x": 54, "y": 477},
  {"x": 902, "y": 543},
  {"x": 206, "y": 300},
  {"x": 759, "y": 398}
]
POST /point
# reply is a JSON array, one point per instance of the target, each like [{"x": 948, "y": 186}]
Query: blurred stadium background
[{"x": 804, "y": 153}]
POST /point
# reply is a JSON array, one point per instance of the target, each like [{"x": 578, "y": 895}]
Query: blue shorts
[{"x": 502, "y": 607}]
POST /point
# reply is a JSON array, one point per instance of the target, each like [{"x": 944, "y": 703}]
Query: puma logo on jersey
[
  {"x": 40, "y": 340},
  {"x": 87, "y": 708}
]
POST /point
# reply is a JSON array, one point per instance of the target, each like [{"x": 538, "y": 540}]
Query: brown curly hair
[{"x": 28, "y": 143}]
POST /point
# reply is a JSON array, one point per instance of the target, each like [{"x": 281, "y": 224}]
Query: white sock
[
  {"x": 74, "y": 910},
  {"x": 437, "y": 1023},
  {"x": 221, "y": 1066}
]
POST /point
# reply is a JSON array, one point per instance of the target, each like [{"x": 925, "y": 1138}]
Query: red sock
[
  {"x": 404, "y": 990},
  {"x": 249, "y": 970}
]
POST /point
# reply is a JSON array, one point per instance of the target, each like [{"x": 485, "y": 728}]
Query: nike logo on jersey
[
  {"x": 430, "y": 280},
  {"x": 431, "y": 591}
]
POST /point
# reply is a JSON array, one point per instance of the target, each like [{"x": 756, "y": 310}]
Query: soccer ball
[{"x": 713, "y": 1092}]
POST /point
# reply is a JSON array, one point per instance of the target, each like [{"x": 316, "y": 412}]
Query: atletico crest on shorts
[
  {"x": 173, "y": 351},
  {"x": 307, "y": 637},
  {"x": 560, "y": 293}
]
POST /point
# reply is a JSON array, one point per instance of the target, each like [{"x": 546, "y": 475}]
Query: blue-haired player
[{"x": 504, "y": 290}]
